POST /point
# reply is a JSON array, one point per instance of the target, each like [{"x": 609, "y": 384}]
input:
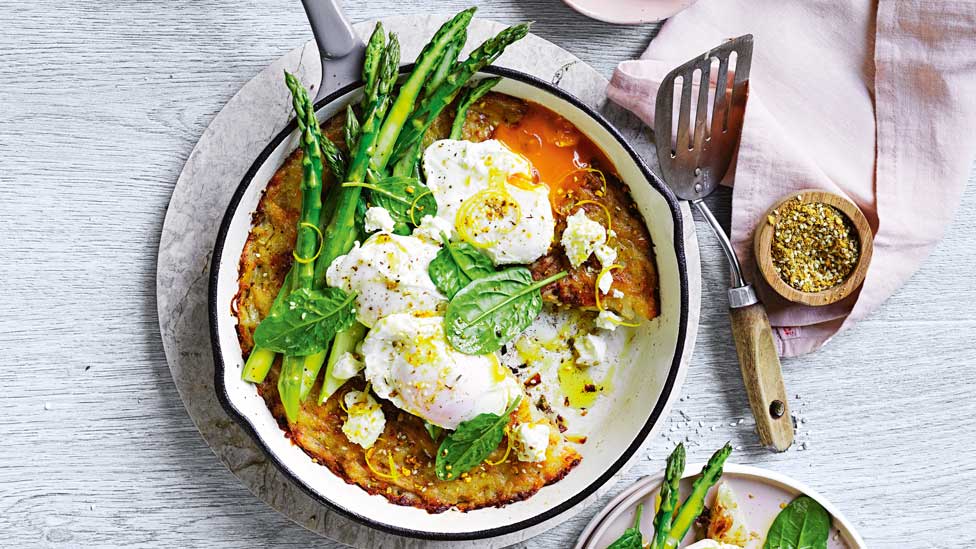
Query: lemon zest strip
[
  {"x": 589, "y": 170},
  {"x": 413, "y": 206},
  {"x": 508, "y": 448},
  {"x": 318, "y": 236},
  {"x": 469, "y": 203},
  {"x": 599, "y": 302},
  {"x": 391, "y": 475}
]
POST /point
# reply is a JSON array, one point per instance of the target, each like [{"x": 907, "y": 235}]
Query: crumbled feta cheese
[
  {"x": 347, "y": 366},
  {"x": 605, "y": 281},
  {"x": 532, "y": 440},
  {"x": 617, "y": 294},
  {"x": 607, "y": 320},
  {"x": 430, "y": 230},
  {"x": 581, "y": 237},
  {"x": 591, "y": 348},
  {"x": 378, "y": 219},
  {"x": 366, "y": 421},
  {"x": 606, "y": 254}
]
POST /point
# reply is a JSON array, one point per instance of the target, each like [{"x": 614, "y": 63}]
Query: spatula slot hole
[
  {"x": 675, "y": 100},
  {"x": 728, "y": 80},
  {"x": 712, "y": 86},
  {"x": 696, "y": 90}
]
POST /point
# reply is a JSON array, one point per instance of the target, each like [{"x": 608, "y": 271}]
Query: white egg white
[
  {"x": 471, "y": 183},
  {"x": 410, "y": 362},
  {"x": 388, "y": 272}
]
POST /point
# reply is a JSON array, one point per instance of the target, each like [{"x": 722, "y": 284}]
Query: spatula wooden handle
[{"x": 762, "y": 376}]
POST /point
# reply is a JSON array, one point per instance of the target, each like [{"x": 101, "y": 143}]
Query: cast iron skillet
[{"x": 233, "y": 392}]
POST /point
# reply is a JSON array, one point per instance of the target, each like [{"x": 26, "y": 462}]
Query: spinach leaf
[
  {"x": 456, "y": 265},
  {"x": 434, "y": 431},
  {"x": 406, "y": 198},
  {"x": 632, "y": 537},
  {"x": 306, "y": 321},
  {"x": 803, "y": 524},
  {"x": 471, "y": 443},
  {"x": 492, "y": 310}
]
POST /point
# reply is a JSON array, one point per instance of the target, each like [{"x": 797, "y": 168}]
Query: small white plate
[
  {"x": 762, "y": 494},
  {"x": 629, "y": 12}
]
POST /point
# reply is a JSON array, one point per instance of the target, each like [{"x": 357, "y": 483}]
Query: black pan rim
[{"x": 626, "y": 455}]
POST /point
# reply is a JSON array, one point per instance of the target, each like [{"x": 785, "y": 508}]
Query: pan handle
[
  {"x": 340, "y": 48},
  {"x": 333, "y": 32}
]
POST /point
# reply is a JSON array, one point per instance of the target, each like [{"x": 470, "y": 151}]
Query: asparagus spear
[
  {"x": 445, "y": 64},
  {"x": 351, "y": 131},
  {"x": 380, "y": 79},
  {"x": 371, "y": 67},
  {"x": 470, "y": 97},
  {"x": 425, "y": 115},
  {"x": 376, "y": 142},
  {"x": 427, "y": 62},
  {"x": 311, "y": 365},
  {"x": 333, "y": 158},
  {"x": 669, "y": 495},
  {"x": 307, "y": 240},
  {"x": 299, "y": 373},
  {"x": 344, "y": 342},
  {"x": 341, "y": 228},
  {"x": 260, "y": 360},
  {"x": 409, "y": 164},
  {"x": 694, "y": 504}
]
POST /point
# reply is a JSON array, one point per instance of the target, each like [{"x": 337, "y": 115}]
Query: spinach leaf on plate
[
  {"x": 632, "y": 537},
  {"x": 491, "y": 311},
  {"x": 803, "y": 524},
  {"x": 406, "y": 198},
  {"x": 306, "y": 321},
  {"x": 472, "y": 442},
  {"x": 456, "y": 265}
]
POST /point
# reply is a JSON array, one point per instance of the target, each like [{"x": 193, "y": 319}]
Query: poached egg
[
  {"x": 486, "y": 192},
  {"x": 388, "y": 272},
  {"x": 410, "y": 363}
]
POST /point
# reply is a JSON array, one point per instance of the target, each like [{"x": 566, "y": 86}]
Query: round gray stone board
[{"x": 258, "y": 112}]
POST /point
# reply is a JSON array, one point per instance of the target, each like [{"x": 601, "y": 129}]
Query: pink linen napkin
[{"x": 875, "y": 101}]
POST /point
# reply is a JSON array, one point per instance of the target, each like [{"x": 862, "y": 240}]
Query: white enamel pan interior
[{"x": 644, "y": 387}]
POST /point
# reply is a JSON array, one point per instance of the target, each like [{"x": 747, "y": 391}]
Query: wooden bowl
[{"x": 763, "y": 239}]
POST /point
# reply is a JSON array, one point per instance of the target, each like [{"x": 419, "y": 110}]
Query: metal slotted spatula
[{"x": 694, "y": 158}]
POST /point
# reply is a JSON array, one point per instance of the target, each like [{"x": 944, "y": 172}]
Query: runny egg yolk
[{"x": 552, "y": 144}]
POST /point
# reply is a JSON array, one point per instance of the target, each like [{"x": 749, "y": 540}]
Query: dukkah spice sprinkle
[{"x": 815, "y": 247}]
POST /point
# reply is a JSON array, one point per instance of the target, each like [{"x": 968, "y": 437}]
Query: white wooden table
[{"x": 100, "y": 103}]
